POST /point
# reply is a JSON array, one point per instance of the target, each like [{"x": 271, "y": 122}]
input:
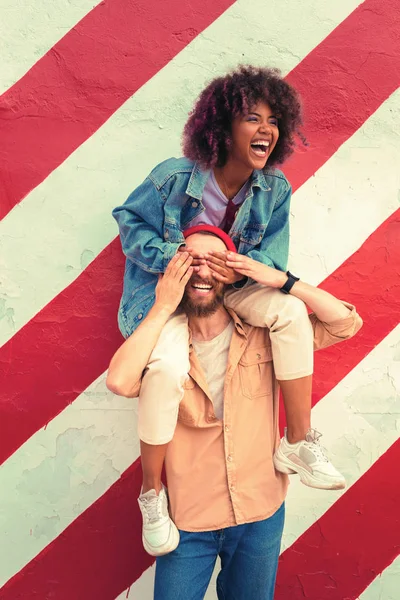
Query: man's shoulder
[{"x": 170, "y": 168}]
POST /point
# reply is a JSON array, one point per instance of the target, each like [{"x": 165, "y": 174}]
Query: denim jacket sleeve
[
  {"x": 273, "y": 249},
  {"x": 140, "y": 220}
]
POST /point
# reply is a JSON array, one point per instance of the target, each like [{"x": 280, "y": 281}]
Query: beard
[{"x": 196, "y": 308}]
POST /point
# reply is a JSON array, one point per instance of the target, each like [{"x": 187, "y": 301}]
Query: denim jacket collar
[{"x": 199, "y": 178}]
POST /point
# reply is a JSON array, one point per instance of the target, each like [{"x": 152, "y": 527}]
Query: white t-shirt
[
  {"x": 215, "y": 203},
  {"x": 213, "y": 357}
]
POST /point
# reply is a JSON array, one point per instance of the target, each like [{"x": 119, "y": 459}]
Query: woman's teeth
[{"x": 260, "y": 148}]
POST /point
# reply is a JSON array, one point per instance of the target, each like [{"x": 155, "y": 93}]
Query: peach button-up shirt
[{"x": 220, "y": 473}]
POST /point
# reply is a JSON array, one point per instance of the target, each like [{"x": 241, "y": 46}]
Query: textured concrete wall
[{"x": 83, "y": 119}]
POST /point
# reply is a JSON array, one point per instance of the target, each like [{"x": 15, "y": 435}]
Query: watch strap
[{"x": 291, "y": 280}]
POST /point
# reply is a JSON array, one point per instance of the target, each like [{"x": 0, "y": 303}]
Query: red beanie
[{"x": 212, "y": 229}]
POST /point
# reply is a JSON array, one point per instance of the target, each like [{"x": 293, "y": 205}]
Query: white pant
[{"x": 162, "y": 390}]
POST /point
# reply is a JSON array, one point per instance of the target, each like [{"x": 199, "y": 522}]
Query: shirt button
[
  {"x": 140, "y": 316},
  {"x": 232, "y": 488},
  {"x": 226, "y": 428},
  {"x": 195, "y": 204},
  {"x": 229, "y": 458},
  {"x": 166, "y": 235}
]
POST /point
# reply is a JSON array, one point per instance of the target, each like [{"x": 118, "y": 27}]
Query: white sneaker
[
  {"x": 307, "y": 458},
  {"x": 159, "y": 534}
]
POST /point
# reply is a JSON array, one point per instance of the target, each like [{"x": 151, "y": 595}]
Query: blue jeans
[{"x": 249, "y": 560}]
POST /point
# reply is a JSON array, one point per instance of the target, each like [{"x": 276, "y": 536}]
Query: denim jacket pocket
[
  {"x": 136, "y": 308},
  {"x": 253, "y": 233},
  {"x": 256, "y": 372},
  {"x": 172, "y": 233}
]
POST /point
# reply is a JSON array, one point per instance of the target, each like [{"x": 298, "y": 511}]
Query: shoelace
[
  {"x": 312, "y": 441},
  {"x": 151, "y": 507}
]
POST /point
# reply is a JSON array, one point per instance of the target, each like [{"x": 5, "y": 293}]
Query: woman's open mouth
[{"x": 260, "y": 148}]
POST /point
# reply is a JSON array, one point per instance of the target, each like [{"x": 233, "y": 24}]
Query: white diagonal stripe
[
  {"x": 386, "y": 584},
  {"x": 63, "y": 469},
  {"x": 30, "y": 29},
  {"x": 67, "y": 220},
  {"x": 359, "y": 419}
]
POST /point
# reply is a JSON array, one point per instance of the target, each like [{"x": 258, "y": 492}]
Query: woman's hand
[
  {"x": 171, "y": 284},
  {"x": 217, "y": 262},
  {"x": 261, "y": 273},
  {"x": 198, "y": 259}
]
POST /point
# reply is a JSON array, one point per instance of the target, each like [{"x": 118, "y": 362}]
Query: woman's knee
[{"x": 169, "y": 369}]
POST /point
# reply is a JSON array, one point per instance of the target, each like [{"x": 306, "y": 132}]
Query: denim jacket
[{"x": 153, "y": 217}]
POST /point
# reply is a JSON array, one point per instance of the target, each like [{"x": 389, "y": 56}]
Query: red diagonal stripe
[
  {"x": 342, "y": 86},
  {"x": 98, "y": 556},
  {"x": 354, "y": 541},
  {"x": 84, "y": 79},
  {"x": 70, "y": 342},
  {"x": 118, "y": 535},
  {"x": 31, "y": 395},
  {"x": 370, "y": 279}
]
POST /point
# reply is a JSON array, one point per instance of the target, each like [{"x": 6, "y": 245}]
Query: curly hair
[{"x": 207, "y": 133}]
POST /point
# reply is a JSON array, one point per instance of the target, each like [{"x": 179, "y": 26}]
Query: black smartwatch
[{"x": 285, "y": 289}]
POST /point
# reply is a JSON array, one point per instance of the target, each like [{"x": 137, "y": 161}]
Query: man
[{"x": 226, "y": 497}]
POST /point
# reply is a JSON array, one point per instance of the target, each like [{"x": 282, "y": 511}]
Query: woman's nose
[{"x": 265, "y": 127}]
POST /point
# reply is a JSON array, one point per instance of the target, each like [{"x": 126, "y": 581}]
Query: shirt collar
[
  {"x": 240, "y": 327},
  {"x": 199, "y": 178}
]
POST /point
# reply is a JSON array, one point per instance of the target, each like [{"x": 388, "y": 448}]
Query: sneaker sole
[
  {"x": 285, "y": 465},
  {"x": 170, "y": 545}
]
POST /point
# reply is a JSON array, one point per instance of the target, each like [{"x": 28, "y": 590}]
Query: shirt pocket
[{"x": 256, "y": 372}]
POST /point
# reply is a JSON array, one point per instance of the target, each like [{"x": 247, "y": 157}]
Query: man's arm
[{"x": 130, "y": 360}]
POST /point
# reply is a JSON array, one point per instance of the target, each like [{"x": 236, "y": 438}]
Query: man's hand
[
  {"x": 222, "y": 271},
  {"x": 261, "y": 273},
  {"x": 171, "y": 284}
]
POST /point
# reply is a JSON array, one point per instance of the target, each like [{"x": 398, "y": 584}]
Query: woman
[{"x": 242, "y": 125}]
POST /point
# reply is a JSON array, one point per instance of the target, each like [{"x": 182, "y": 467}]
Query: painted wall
[{"x": 93, "y": 96}]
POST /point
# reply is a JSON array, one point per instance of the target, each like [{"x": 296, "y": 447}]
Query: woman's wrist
[{"x": 280, "y": 280}]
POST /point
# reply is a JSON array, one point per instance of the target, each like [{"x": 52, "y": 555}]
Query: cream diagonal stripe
[
  {"x": 327, "y": 208},
  {"x": 67, "y": 218},
  {"x": 352, "y": 194},
  {"x": 62, "y": 470},
  {"x": 28, "y": 30},
  {"x": 26, "y": 35},
  {"x": 385, "y": 586}
]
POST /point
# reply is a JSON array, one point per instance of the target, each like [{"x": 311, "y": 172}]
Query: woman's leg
[
  {"x": 297, "y": 401},
  {"x": 291, "y": 337},
  {"x": 292, "y": 346},
  {"x": 160, "y": 394}
]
